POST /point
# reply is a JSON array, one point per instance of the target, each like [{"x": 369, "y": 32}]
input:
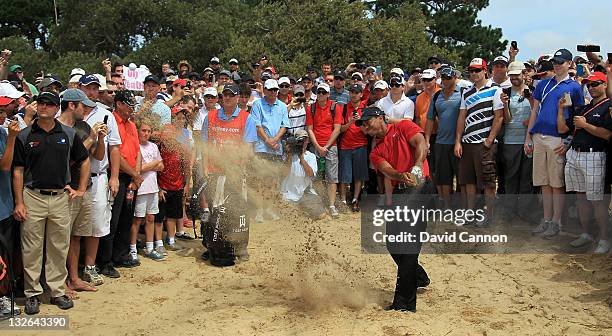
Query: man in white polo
[{"x": 396, "y": 105}]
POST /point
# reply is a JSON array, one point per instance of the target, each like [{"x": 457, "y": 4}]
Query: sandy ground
[{"x": 312, "y": 279}]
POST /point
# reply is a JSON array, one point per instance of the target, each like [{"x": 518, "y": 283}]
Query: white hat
[
  {"x": 358, "y": 74},
  {"x": 210, "y": 91},
  {"x": 516, "y": 68},
  {"x": 214, "y": 59},
  {"x": 501, "y": 58},
  {"x": 381, "y": 84},
  {"x": 102, "y": 80},
  {"x": 233, "y": 60},
  {"x": 428, "y": 74},
  {"x": 75, "y": 79},
  {"x": 271, "y": 84},
  {"x": 324, "y": 86},
  {"x": 284, "y": 80},
  {"x": 8, "y": 90},
  {"x": 77, "y": 71},
  {"x": 397, "y": 71}
]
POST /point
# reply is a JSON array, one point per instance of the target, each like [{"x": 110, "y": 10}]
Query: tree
[{"x": 30, "y": 19}]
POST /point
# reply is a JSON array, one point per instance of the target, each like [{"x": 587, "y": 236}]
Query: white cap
[
  {"x": 271, "y": 84},
  {"x": 75, "y": 79},
  {"x": 500, "y": 59},
  {"x": 516, "y": 68},
  {"x": 324, "y": 86},
  {"x": 8, "y": 90},
  {"x": 397, "y": 71},
  {"x": 381, "y": 84},
  {"x": 77, "y": 71},
  {"x": 214, "y": 59},
  {"x": 233, "y": 60},
  {"x": 428, "y": 74},
  {"x": 284, "y": 80},
  {"x": 358, "y": 74},
  {"x": 210, "y": 91},
  {"x": 102, "y": 80}
]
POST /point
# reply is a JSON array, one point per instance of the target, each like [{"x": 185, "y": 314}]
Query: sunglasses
[
  {"x": 110, "y": 92},
  {"x": 329, "y": 80},
  {"x": 356, "y": 78},
  {"x": 209, "y": 97},
  {"x": 395, "y": 85},
  {"x": 557, "y": 62},
  {"x": 427, "y": 79},
  {"x": 321, "y": 92},
  {"x": 285, "y": 86},
  {"x": 299, "y": 95},
  {"x": 273, "y": 90},
  {"x": 476, "y": 70},
  {"x": 593, "y": 84}
]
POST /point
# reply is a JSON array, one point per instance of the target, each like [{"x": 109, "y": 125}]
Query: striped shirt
[{"x": 480, "y": 105}]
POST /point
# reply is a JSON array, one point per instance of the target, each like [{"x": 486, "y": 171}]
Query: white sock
[
  {"x": 170, "y": 240},
  {"x": 159, "y": 243},
  {"x": 133, "y": 249},
  {"x": 180, "y": 233},
  {"x": 150, "y": 246}
]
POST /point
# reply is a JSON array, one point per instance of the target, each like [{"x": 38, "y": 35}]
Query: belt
[
  {"x": 48, "y": 192},
  {"x": 588, "y": 149},
  {"x": 98, "y": 174}
]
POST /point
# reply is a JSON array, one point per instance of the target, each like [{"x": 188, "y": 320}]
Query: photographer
[{"x": 297, "y": 186}]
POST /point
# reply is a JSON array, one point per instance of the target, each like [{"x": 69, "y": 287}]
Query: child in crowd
[{"x": 147, "y": 200}]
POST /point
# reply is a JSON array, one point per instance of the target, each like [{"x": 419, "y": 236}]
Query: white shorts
[
  {"x": 101, "y": 206},
  {"x": 585, "y": 173},
  {"x": 146, "y": 204}
]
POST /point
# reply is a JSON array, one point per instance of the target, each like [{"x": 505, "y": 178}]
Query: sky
[{"x": 543, "y": 26}]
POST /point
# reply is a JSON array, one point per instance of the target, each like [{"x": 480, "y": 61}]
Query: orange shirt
[
  {"x": 422, "y": 106},
  {"x": 130, "y": 147}
]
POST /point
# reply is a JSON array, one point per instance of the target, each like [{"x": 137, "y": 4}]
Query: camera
[{"x": 294, "y": 145}]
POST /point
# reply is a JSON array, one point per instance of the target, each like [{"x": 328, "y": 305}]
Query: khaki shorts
[
  {"x": 80, "y": 216},
  {"x": 547, "y": 166}
]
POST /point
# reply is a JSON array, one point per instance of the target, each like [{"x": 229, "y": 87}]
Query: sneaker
[
  {"x": 155, "y": 255},
  {"x": 162, "y": 250},
  {"x": 273, "y": 215},
  {"x": 333, "y": 212},
  {"x": 63, "y": 302},
  {"x": 183, "y": 236},
  {"x": 110, "y": 271},
  {"x": 259, "y": 216},
  {"x": 484, "y": 223},
  {"x": 553, "y": 230},
  {"x": 543, "y": 226},
  {"x": 5, "y": 307},
  {"x": 32, "y": 305},
  {"x": 584, "y": 239},
  {"x": 355, "y": 206},
  {"x": 205, "y": 216},
  {"x": 91, "y": 275},
  {"x": 603, "y": 247},
  {"x": 174, "y": 247},
  {"x": 134, "y": 256}
]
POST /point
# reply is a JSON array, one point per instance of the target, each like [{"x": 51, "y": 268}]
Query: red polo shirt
[
  {"x": 395, "y": 148},
  {"x": 354, "y": 136},
  {"x": 130, "y": 146},
  {"x": 323, "y": 123}
]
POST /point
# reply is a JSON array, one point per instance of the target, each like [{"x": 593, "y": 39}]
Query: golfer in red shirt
[{"x": 400, "y": 154}]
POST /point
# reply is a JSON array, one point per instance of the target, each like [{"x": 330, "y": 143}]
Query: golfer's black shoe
[
  {"x": 401, "y": 308},
  {"x": 206, "y": 255}
]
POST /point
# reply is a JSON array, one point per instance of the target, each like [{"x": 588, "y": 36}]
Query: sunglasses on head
[
  {"x": 321, "y": 92},
  {"x": 475, "y": 70},
  {"x": 285, "y": 86},
  {"x": 593, "y": 84}
]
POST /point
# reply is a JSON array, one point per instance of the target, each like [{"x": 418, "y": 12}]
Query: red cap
[
  {"x": 596, "y": 76},
  {"x": 181, "y": 82},
  {"x": 478, "y": 63},
  {"x": 5, "y": 101},
  {"x": 178, "y": 108}
]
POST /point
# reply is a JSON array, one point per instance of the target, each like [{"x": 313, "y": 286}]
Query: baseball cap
[
  {"x": 207, "y": 70},
  {"x": 233, "y": 60},
  {"x": 182, "y": 82},
  {"x": 371, "y": 69},
  {"x": 8, "y": 93},
  {"x": 433, "y": 58},
  {"x": 448, "y": 71},
  {"x": 300, "y": 134},
  {"x": 49, "y": 97},
  {"x": 500, "y": 59},
  {"x": 356, "y": 88},
  {"x": 49, "y": 81},
  {"x": 171, "y": 78},
  {"x": 214, "y": 60},
  {"x": 77, "y": 71},
  {"x": 596, "y": 77},
  {"x": 381, "y": 84},
  {"x": 528, "y": 65},
  {"x": 89, "y": 79},
  {"x": 284, "y": 80},
  {"x": 271, "y": 84},
  {"x": 13, "y": 68},
  {"x": 339, "y": 73},
  {"x": 76, "y": 95},
  {"x": 369, "y": 113},
  {"x": 397, "y": 71},
  {"x": 75, "y": 79},
  {"x": 416, "y": 70},
  {"x": 225, "y": 72},
  {"x": 478, "y": 63},
  {"x": 102, "y": 81},
  {"x": 126, "y": 97},
  {"x": 234, "y": 89},
  {"x": 194, "y": 76},
  {"x": 323, "y": 86},
  {"x": 397, "y": 80},
  {"x": 562, "y": 55},
  {"x": 265, "y": 75},
  {"x": 429, "y": 73},
  {"x": 151, "y": 78},
  {"x": 271, "y": 69},
  {"x": 299, "y": 89},
  {"x": 210, "y": 91},
  {"x": 357, "y": 74},
  {"x": 516, "y": 68},
  {"x": 581, "y": 57}
]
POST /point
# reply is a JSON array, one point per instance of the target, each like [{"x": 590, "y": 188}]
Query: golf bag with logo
[{"x": 227, "y": 231}]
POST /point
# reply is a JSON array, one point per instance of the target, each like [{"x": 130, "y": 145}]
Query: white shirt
[
  {"x": 297, "y": 183},
  {"x": 19, "y": 119},
  {"x": 297, "y": 119},
  {"x": 202, "y": 114},
  {"x": 150, "y": 153},
  {"x": 401, "y": 109},
  {"x": 111, "y": 139}
]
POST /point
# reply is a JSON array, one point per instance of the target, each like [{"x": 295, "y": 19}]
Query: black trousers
[{"x": 115, "y": 246}]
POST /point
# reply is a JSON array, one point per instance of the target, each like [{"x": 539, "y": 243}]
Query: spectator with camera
[{"x": 297, "y": 110}]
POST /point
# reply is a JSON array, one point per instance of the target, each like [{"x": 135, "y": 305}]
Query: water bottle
[
  {"x": 129, "y": 198},
  {"x": 529, "y": 154}
]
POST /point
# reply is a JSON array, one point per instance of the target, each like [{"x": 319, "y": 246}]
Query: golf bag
[{"x": 227, "y": 231}]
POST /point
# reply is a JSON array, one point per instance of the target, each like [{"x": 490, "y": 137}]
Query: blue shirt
[
  {"x": 271, "y": 117},
  {"x": 447, "y": 111},
  {"x": 250, "y": 133},
  {"x": 340, "y": 97},
  {"x": 548, "y": 93},
  {"x": 6, "y": 194}
]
